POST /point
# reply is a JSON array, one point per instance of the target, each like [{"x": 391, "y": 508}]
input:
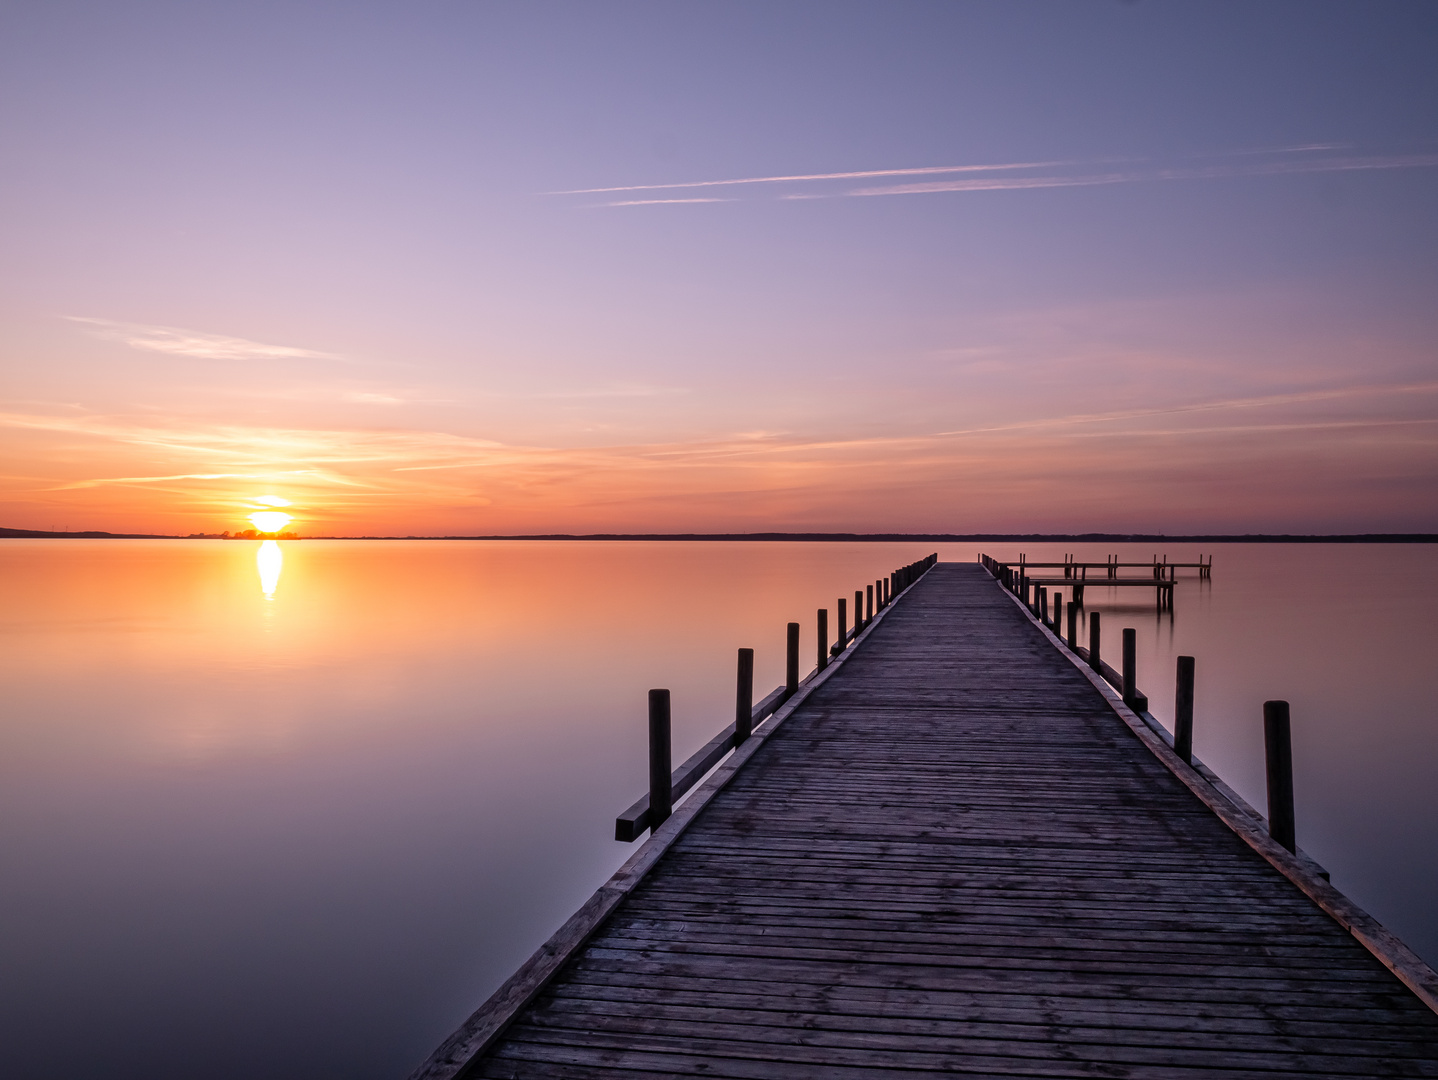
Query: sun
[
  {"x": 269, "y": 518},
  {"x": 269, "y": 521}
]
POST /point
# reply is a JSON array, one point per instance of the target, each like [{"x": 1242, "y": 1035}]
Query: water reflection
[
  {"x": 212, "y": 817},
  {"x": 269, "y": 560}
]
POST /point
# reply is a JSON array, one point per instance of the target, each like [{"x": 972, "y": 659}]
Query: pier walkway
[{"x": 952, "y": 855}]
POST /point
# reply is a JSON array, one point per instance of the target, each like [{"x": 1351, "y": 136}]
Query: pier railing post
[
  {"x": 1093, "y": 641},
  {"x": 1278, "y": 754},
  {"x": 858, "y": 611},
  {"x": 868, "y": 604},
  {"x": 1130, "y": 664},
  {"x": 1058, "y": 624},
  {"x": 744, "y": 697},
  {"x": 1183, "y": 710},
  {"x": 791, "y": 661},
  {"x": 843, "y": 640},
  {"x": 661, "y": 780},
  {"x": 1073, "y": 625},
  {"x": 823, "y": 638}
]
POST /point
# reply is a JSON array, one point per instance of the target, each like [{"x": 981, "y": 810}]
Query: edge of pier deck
[
  {"x": 486, "y": 1027},
  {"x": 1235, "y": 812}
]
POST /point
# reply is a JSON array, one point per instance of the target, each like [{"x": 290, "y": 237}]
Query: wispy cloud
[
  {"x": 927, "y": 170},
  {"x": 659, "y": 202},
  {"x": 193, "y": 343},
  {"x": 1138, "y": 176},
  {"x": 1277, "y": 161}
]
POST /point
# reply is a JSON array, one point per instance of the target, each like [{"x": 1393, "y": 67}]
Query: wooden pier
[{"x": 954, "y": 850}]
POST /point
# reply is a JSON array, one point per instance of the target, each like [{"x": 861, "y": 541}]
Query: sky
[{"x": 448, "y": 268}]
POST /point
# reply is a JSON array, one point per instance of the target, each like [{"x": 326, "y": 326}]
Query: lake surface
[{"x": 294, "y": 811}]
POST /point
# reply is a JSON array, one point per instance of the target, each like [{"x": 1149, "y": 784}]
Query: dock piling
[
  {"x": 858, "y": 611},
  {"x": 661, "y": 790},
  {"x": 823, "y": 638},
  {"x": 791, "y": 660},
  {"x": 868, "y": 604},
  {"x": 1093, "y": 639},
  {"x": 1183, "y": 710},
  {"x": 744, "y": 697},
  {"x": 843, "y": 639},
  {"x": 1073, "y": 624},
  {"x": 1278, "y": 755},
  {"x": 1130, "y": 664},
  {"x": 1058, "y": 624}
]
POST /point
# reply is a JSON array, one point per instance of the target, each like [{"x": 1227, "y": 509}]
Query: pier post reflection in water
[{"x": 269, "y": 561}]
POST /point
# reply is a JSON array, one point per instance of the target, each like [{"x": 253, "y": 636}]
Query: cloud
[
  {"x": 1284, "y": 160},
  {"x": 193, "y": 343},
  {"x": 864, "y": 175},
  {"x": 1213, "y": 172},
  {"x": 659, "y": 202}
]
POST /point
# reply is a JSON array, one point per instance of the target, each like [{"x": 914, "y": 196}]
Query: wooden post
[
  {"x": 744, "y": 697},
  {"x": 843, "y": 641},
  {"x": 1043, "y": 604},
  {"x": 1183, "y": 710},
  {"x": 1073, "y": 625},
  {"x": 791, "y": 661},
  {"x": 858, "y": 611},
  {"x": 1093, "y": 628},
  {"x": 868, "y": 604},
  {"x": 1130, "y": 664},
  {"x": 823, "y": 638},
  {"x": 1278, "y": 754},
  {"x": 1058, "y": 613},
  {"x": 661, "y": 780}
]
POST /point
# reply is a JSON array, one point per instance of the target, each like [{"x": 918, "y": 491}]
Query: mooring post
[
  {"x": 843, "y": 641},
  {"x": 1073, "y": 624},
  {"x": 1278, "y": 752},
  {"x": 1183, "y": 710},
  {"x": 1093, "y": 660},
  {"x": 791, "y": 661},
  {"x": 1058, "y": 625},
  {"x": 858, "y": 611},
  {"x": 1043, "y": 604},
  {"x": 1130, "y": 664},
  {"x": 868, "y": 604},
  {"x": 744, "y": 697},
  {"x": 823, "y": 638},
  {"x": 661, "y": 781}
]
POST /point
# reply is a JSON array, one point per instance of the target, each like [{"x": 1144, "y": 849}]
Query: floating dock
[{"x": 955, "y": 850}]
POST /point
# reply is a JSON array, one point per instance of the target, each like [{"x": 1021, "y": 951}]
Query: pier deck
[{"x": 953, "y": 856}]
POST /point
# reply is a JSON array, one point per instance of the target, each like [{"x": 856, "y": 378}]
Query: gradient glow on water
[{"x": 293, "y": 811}]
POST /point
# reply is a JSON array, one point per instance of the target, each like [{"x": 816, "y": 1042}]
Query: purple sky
[{"x": 476, "y": 267}]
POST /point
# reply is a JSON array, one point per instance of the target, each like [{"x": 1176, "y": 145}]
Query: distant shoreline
[{"x": 841, "y": 538}]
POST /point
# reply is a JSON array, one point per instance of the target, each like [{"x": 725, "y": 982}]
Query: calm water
[{"x": 295, "y": 812}]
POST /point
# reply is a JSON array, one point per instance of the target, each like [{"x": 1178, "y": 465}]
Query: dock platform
[{"x": 956, "y": 852}]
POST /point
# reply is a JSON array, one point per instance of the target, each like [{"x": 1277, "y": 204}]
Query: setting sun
[{"x": 269, "y": 521}]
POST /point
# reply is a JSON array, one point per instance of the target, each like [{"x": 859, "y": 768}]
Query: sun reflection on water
[{"x": 269, "y": 560}]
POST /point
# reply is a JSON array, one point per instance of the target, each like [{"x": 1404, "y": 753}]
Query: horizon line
[{"x": 837, "y": 537}]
